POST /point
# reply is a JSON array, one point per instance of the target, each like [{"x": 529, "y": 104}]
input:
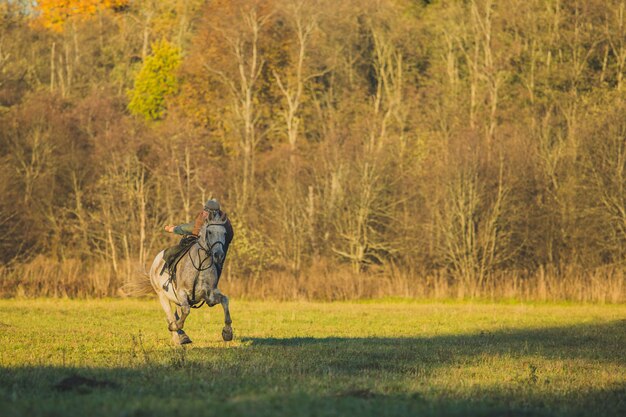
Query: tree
[
  {"x": 54, "y": 14},
  {"x": 156, "y": 80}
]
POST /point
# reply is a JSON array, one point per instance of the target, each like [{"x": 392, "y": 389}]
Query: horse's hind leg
[
  {"x": 179, "y": 337},
  {"x": 180, "y": 322}
]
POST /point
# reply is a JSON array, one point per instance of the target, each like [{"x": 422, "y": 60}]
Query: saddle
[{"x": 172, "y": 257}]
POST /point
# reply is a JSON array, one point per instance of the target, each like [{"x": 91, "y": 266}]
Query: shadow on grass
[
  {"x": 338, "y": 376},
  {"x": 602, "y": 343}
]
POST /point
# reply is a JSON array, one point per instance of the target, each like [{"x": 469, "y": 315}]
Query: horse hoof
[
  {"x": 227, "y": 334},
  {"x": 184, "y": 339}
]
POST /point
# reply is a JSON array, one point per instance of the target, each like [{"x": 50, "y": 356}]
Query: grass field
[{"x": 114, "y": 358}]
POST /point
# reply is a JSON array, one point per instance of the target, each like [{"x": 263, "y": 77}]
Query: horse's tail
[{"x": 138, "y": 285}]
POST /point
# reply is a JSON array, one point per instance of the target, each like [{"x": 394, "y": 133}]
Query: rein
[{"x": 209, "y": 254}]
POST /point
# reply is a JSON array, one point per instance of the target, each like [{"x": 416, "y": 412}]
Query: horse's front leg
[{"x": 227, "y": 331}]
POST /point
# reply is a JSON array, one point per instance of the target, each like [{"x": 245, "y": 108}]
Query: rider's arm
[
  {"x": 192, "y": 228},
  {"x": 184, "y": 229},
  {"x": 181, "y": 229}
]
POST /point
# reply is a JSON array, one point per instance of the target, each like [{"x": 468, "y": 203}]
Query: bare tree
[
  {"x": 243, "y": 46},
  {"x": 472, "y": 230}
]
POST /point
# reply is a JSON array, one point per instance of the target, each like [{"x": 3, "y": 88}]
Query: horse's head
[{"x": 213, "y": 236}]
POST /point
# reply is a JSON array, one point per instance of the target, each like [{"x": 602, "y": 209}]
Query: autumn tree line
[{"x": 470, "y": 148}]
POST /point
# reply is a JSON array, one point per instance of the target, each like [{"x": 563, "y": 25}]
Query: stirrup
[{"x": 171, "y": 279}]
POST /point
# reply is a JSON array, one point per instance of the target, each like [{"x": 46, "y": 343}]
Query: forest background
[{"x": 416, "y": 148}]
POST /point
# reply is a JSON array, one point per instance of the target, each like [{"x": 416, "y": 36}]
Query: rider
[{"x": 190, "y": 231}]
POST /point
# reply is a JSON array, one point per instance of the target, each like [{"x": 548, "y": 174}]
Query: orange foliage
[{"x": 53, "y": 14}]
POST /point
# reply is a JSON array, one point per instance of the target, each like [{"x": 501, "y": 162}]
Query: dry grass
[
  {"x": 49, "y": 278},
  {"x": 73, "y": 278},
  {"x": 603, "y": 286}
]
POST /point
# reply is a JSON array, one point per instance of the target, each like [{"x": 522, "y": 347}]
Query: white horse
[{"x": 196, "y": 280}]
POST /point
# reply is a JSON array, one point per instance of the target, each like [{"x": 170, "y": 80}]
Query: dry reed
[{"x": 43, "y": 277}]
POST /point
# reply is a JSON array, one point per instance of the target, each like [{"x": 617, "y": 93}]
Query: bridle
[{"x": 208, "y": 250}]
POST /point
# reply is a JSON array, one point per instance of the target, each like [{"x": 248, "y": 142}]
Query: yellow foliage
[{"x": 53, "y": 14}]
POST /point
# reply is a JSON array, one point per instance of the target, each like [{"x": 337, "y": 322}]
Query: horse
[{"x": 196, "y": 281}]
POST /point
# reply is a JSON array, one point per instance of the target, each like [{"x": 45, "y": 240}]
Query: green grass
[{"x": 314, "y": 359}]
